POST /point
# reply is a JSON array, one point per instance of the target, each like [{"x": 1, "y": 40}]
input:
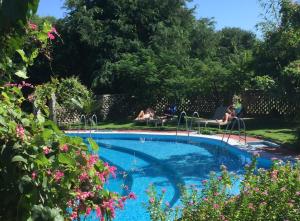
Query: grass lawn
[{"x": 280, "y": 131}]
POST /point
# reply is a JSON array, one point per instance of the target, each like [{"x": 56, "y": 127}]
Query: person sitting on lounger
[
  {"x": 148, "y": 114},
  {"x": 229, "y": 115}
]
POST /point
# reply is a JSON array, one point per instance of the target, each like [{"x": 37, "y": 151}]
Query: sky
[{"x": 244, "y": 14}]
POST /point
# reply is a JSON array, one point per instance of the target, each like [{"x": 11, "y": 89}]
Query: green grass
[{"x": 280, "y": 131}]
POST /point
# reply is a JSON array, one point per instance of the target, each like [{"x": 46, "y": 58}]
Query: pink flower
[
  {"x": 123, "y": 198},
  {"x": 70, "y": 203},
  {"x": 121, "y": 204},
  {"x": 58, "y": 175},
  {"x": 204, "y": 181},
  {"x": 84, "y": 176},
  {"x": 132, "y": 195},
  {"x": 167, "y": 204},
  {"x": 110, "y": 205},
  {"x": 222, "y": 217},
  {"x": 111, "y": 169},
  {"x": 263, "y": 203},
  {"x": 101, "y": 177},
  {"x": 83, "y": 195},
  {"x": 53, "y": 30},
  {"x": 33, "y": 175},
  {"x": 64, "y": 148},
  {"x": 93, "y": 160},
  {"x": 265, "y": 193},
  {"x": 32, "y": 26},
  {"x": 73, "y": 215},
  {"x": 250, "y": 206},
  {"x": 298, "y": 193},
  {"x": 205, "y": 199},
  {"x": 220, "y": 178},
  {"x": 88, "y": 211},
  {"x": 256, "y": 189},
  {"x": 46, "y": 150},
  {"x": 151, "y": 200},
  {"x": 163, "y": 190},
  {"x": 20, "y": 131},
  {"x": 216, "y": 206},
  {"x": 274, "y": 174},
  {"x": 10, "y": 85},
  {"x": 216, "y": 194},
  {"x": 51, "y": 36}
]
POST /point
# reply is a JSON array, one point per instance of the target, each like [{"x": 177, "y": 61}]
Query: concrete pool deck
[{"x": 265, "y": 148}]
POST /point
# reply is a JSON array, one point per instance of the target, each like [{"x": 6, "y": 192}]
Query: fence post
[{"x": 52, "y": 108}]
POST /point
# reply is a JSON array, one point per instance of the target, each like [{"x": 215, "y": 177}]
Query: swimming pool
[{"x": 166, "y": 161}]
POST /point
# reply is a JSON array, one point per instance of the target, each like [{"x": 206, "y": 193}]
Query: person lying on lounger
[
  {"x": 229, "y": 115},
  {"x": 148, "y": 114}
]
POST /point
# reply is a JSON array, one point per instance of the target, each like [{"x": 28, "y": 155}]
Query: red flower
[
  {"x": 33, "y": 26},
  {"x": 132, "y": 195},
  {"x": 51, "y": 36},
  {"x": 33, "y": 175},
  {"x": 20, "y": 131}
]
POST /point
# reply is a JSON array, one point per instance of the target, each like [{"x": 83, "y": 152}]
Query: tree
[{"x": 282, "y": 39}]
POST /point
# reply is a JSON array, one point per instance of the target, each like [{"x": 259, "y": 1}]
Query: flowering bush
[
  {"x": 42, "y": 170},
  {"x": 264, "y": 195},
  {"x": 44, "y": 174}
]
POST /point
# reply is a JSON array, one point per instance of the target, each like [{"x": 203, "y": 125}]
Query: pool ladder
[
  {"x": 228, "y": 131},
  {"x": 192, "y": 120},
  {"x": 182, "y": 114},
  {"x": 241, "y": 127}
]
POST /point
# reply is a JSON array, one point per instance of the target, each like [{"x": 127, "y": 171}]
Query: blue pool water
[{"x": 164, "y": 161}]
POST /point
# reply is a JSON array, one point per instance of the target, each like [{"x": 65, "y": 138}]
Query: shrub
[
  {"x": 264, "y": 195},
  {"x": 69, "y": 92},
  {"x": 44, "y": 174}
]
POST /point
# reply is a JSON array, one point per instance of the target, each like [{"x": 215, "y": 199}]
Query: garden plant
[{"x": 272, "y": 194}]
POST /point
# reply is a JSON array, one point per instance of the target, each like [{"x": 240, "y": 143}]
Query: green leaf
[
  {"x": 33, "y": 56},
  {"x": 46, "y": 134},
  {"x": 42, "y": 160},
  {"x": 93, "y": 144},
  {"x": 40, "y": 118},
  {"x": 25, "y": 122},
  {"x": 22, "y": 73},
  {"x": 25, "y": 184},
  {"x": 45, "y": 181},
  {"x": 23, "y": 56},
  {"x": 19, "y": 158},
  {"x": 66, "y": 159}
]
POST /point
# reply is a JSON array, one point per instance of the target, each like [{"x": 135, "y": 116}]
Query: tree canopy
[{"x": 158, "y": 48}]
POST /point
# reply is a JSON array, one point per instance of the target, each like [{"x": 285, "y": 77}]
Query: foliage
[
  {"x": 264, "y": 83},
  {"x": 264, "y": 195},
  {"x": 46, "y": 175},
  {"x": 281, "y": 44},
  {"x": 45, "y": 172},
  {"x": 291, "y": 74},
  {"x": 35, "y": 41},
  {"x": 145, "y": 48},
  {"x": 69, "y": 93}
]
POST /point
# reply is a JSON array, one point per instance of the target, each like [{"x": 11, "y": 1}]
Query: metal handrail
[
  {"x": 240, "y": 123},
  {"x": 183, "y": 113},
  {"x": 192, "y": 120},
  {"x": 84, "y": 118}
]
